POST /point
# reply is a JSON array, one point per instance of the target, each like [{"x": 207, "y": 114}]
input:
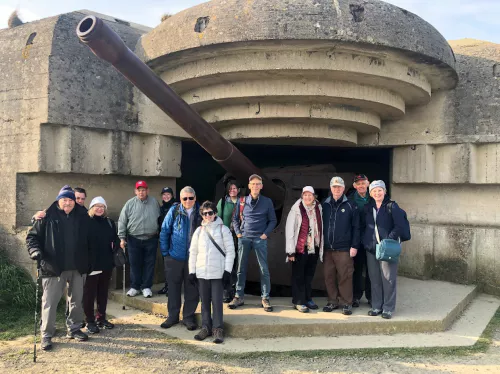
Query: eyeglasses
[
  {"x": 188, "y": 198},
  {"x": 209, "y": 213},
  {"x": 255, "y": 184}
]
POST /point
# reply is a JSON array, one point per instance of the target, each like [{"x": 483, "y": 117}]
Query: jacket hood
[{"x": 216, "y": 222}]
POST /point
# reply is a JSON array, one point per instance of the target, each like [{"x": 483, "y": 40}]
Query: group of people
[{"x": 206, "y": 250}]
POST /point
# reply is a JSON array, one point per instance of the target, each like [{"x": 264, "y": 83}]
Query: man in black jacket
[
  {"x": 341, "y": 243},
  {"x": 60, "y": 243}
]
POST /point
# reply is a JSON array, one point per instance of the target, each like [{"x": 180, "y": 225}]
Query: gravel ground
[{"x": 129, "y": 348}]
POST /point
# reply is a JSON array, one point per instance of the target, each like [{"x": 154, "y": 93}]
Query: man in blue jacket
[
  {"x": 341, "y": 243},
  {"x": 175, "y": 238},
  {"x": 254, "y": 219}
]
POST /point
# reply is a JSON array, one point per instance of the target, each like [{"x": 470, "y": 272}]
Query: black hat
[
  {"x": 360, "y": 177},
  {"x": 167, "y": 189}
]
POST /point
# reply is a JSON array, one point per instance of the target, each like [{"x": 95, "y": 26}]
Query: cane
[
  {"x": 123, "y": 288},
  {"x": 36, "y": 307}
]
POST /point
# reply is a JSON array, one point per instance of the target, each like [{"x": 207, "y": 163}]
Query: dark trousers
[
  {"x": 360, "y": 283},
  {"x": 142, "y": 258},
  {"x": 303, "y": 269},
  {"x": 211, "y": 303},
  {"x": 165, "y": 270},
  {"x": 96, "y": 288},
  {"x": 177, "y": 276},
  {"x": 338, "y": 269}
]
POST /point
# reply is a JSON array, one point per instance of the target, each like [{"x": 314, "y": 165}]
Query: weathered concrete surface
[{"x": 417, "y": 311}]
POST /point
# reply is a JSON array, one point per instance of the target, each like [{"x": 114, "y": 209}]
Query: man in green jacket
[{"x": 226, "y": 207}]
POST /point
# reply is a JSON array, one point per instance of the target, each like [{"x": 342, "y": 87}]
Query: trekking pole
[
  {"x": 123, "y": 287},
  {"x": 36, "y": 307}
]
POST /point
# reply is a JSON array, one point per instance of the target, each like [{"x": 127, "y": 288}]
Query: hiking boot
[
  {"x": 168, "y": 323},
  {"x": 78, "y": 335},
  {"x": 132, "y": 292},
  {"x": 355, "y": 303},
  {"x": 374, "y": 312},
  {"x": 312, "y": 305},
  {"x": 302, "y": 308},
  {"x": 237, "y": 301},
  {"x": 190, "y": 325},
  {"x": 266, "y": 305},
  {"x": 92, "y": 328},
  {"x": 105, "y": 324},
  {"x": 386, "y": 314},
  {"x": 163, "y": 291},
  {"x": 218, "y": 335},
  {"x": 147, "y": 292},
  {"x": 46, "y": 344},
  {"x": 347, "y": 310},
  {"x": 330, "y": 307},
  {"x": 203, "y": 334}
]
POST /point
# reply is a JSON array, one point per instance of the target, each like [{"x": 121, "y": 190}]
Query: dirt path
[{"x": 133, "y": 349}]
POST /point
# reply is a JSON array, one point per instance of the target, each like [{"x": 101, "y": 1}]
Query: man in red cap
[{"x": 138, "y": 230}]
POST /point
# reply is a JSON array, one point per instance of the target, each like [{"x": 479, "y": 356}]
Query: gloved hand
[
  {"x": 226, "y": 279},
  {"x": 192, "y": 279},
  {"x": 36, "y": 255},
  {"x": 291, "y": 257}
]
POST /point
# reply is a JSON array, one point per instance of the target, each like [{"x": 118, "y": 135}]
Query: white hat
[
  {"x": 337, "y": 181},
  {"x": 308, "y": 189},
  {"x": 98, "y": 200},
  {"x": 376, "y": 184}
]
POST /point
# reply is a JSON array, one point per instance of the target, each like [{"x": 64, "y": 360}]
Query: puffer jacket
[
  {"x": 174, "y": 235},
  {"x": 292, "y": 229},
  {"x": 204, "y": 258}
]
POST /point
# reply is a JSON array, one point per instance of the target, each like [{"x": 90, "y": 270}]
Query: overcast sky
[{"x": 455, "y": 19}]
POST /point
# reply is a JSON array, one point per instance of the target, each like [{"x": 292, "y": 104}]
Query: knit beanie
[
  {"x": 98, "y": 200},
  {"x": 66, "y": 192}
]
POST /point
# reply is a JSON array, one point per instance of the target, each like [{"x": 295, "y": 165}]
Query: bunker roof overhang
[{"x": 300, "y": 72}]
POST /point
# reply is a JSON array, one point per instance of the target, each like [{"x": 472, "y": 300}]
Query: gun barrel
[{"x": 107, "y": 45}]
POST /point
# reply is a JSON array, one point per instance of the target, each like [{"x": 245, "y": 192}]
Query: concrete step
[{"x": 422, "y": 306}]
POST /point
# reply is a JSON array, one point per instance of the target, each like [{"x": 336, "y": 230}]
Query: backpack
[{"x": 406, "y": 234}]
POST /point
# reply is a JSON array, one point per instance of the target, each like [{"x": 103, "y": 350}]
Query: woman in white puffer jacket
[{"x": 211, "y": 265}]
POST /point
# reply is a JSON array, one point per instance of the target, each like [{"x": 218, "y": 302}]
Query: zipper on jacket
[{"x": 334, "y": 224}]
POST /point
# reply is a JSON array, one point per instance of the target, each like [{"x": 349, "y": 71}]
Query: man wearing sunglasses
[
  {"x": 138, "y": 230},
  {"x": 253, "y": 221},
  {"x": 175, "y": 238}
]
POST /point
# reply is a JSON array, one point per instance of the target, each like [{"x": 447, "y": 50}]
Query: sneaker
[
  {"x": 46, "y": 344},
  {"x": 203, "y": 334},
  {"x": 132, "y": 292},
  {"x": 190, "y": 325},
  {"x": 311, "y": 305},
  {"x": 302, "y": 308},
  {"x": 355, "y": 303},
  {"x": 374, "y": 312},
  {"x": 168, "y": 323},
  {"x": 330, "y": 307},
  {"x": 218, "y": 335},
  {"x": 347, "y": 310},
  {"x": 147, "y": 292},
  {"x": 237, "y": 301},
  {"x": 386, "y": 314},
  {"x": 92, "y": 328},
  {"x": 163, "y": 291},
  {"x": 105, "y": 324},
  {"x": 266, "y": 305},
  {"x": 78, "y": 335}
]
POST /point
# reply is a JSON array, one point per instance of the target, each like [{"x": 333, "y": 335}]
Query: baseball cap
[
  {"x": 308, "y": 189},
  {"x": 167, "y": 189},
  {"x": 360, "y": 177},
  {"x": 141, "y": 184},
  {"x": 337, "y": 181},
  {"x": 376, "y": 184},
  {"x": 255, "y": 176}
]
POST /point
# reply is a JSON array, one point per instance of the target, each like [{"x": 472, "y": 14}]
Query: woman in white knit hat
[
  {"x": 103, "y": 240},
  {"x": 304, "y": 244}
]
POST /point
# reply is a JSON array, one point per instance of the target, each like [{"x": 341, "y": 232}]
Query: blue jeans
[
  {"x": 245, "y": 246},
  {"x": 142, "y": 258}
]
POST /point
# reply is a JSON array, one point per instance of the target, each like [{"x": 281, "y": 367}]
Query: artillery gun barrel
[{"x": 107, "y": 45}]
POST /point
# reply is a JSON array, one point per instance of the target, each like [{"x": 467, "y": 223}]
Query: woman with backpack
[
  {"x": 102, "y": 242},
  {"x": 211, "y": 258},
  {"x": 304, "y": 244},
  {"x": 226, "y": 206},
  {"x": 382, "y": 219}
]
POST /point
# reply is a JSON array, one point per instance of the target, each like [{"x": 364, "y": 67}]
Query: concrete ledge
[{"x": 423, "y": 306}]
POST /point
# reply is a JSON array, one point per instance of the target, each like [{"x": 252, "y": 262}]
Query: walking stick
[
  {"x": 36, "y": 307},
  {"x": 123, "y": 288}
]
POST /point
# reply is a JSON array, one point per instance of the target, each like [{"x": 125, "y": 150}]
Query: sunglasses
[
  {"x": 188, "y": 198},
  {"x": 209, "y": 213}
]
